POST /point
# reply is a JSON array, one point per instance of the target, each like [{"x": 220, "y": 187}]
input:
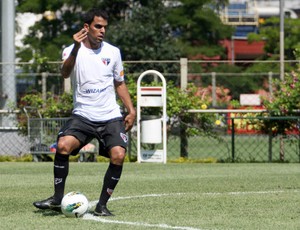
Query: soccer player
[{"x": 96, "y": 71}]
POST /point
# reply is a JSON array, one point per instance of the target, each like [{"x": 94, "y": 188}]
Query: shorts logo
[
  {"x": 105, "y": 61},
  {"x": 124, "y": 137}
]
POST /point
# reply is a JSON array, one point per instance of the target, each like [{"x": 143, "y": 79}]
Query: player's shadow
[{"x": 48, "y": 212}]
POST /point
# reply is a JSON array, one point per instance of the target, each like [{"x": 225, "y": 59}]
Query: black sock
[
  {"x": 61, "y": 170},
  {"x": 111, "y": 180}
]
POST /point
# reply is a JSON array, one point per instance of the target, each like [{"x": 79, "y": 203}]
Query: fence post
[
  {"x": 270, "y": 144},
  {"x": 67, "y": 85},
  {"x": 44, "y": 86},
  {"x": 214, "y": 94},
  {"x": 183, "y": 85},
  {"x": 183, "y": 73},
  {"x": 270, "y": 74},
  {"x": 282, "y": 151},
  {"x": 232, "y": 140}
]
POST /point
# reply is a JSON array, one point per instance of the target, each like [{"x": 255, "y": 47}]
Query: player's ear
[{"x": 86, "y": 27}]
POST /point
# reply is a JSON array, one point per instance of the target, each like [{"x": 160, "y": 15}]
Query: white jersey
[{"x": 93, "y": 81}]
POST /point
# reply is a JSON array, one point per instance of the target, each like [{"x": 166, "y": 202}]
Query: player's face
[{"x": 96, "y": 30}]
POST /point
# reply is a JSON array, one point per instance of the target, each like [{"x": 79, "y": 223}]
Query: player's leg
[
  {"x": 74, "y": 135},
  {"x": 65, "y": 146},
  {"x": 116, "y": 142},
  {"x": 111, "y": 179}
]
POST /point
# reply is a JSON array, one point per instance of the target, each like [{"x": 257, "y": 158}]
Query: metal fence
[
  {"x": 228, "y": 145},
  {"x": 31, "y": 77},
  {"x": 231, "y": 143},
  {"x": 45, "y": 77},
  {"x": 42, "y": 135}
]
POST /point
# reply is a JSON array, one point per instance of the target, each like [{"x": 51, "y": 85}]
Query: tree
[
  {"x": 60, "y": 20},
  {"x": 269, "y": 31},
  {"x": 139, "y": 28},
  {"x": 145, "y": 34},
  {"x": 197, "y": 27}
]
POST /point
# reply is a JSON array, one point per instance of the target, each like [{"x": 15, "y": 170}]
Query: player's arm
[
  {"x": 69, "y": 63},
  {"x": 124, "y": 95}
]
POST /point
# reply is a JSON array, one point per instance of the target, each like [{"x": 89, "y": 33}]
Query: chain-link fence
[
  {"x": 231, "y": 142},
  {"x": 218, "y": 85},
  {"x": 227, "y": 145}
]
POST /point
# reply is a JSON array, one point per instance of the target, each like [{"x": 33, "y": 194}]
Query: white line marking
[
  {"x": 249, "y": 193},
  {"x": 146, "y": 195},
  {"x": 103, "y": 220},
  {"x": 89, "y": 216},
  {"x": 93, "y": 203}
]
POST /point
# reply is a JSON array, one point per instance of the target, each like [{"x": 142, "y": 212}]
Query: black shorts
[{"x": 109, "y": 133}]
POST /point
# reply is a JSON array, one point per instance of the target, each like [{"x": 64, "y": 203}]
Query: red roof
[{"x": 242, "y": 49}]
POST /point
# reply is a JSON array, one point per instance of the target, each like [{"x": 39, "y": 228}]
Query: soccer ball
[{"x": 74, "y": 204}]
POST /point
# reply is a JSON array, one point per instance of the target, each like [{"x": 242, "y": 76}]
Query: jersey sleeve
[
  {"x": 66, "y": 52},
  {"x": 118, "y": 68}
]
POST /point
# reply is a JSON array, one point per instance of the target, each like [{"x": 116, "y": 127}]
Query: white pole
[
  {"x": 183, "y": 73},
  {"x": 281, "y": 39},
  {"x": 8, "y": 89}
]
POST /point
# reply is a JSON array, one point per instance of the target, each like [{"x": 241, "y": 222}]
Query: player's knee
[
  {"x": 117, "y": 155},
  {"x": 63, "y": 147}
]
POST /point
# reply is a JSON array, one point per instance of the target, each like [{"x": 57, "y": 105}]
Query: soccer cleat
[
  {"x": 49, "y": 203},
  {"x": 101, "y": 210}
]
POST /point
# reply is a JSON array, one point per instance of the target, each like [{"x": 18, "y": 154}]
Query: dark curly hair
[{"x": 88, "y": 17}]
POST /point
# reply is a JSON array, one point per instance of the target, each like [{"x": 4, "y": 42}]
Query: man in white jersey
[{"x": 96, "y": 70}]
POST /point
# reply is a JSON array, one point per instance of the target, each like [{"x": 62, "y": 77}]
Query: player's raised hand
[{"x": 80, "y": 36}]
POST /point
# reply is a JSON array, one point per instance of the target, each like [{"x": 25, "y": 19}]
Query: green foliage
[
  {"x": 269, "y": 31},
  {"x": 286, "y": 99},
  {"x": 142, "y": 29},
  {"x": 54, "y": 106},
  {"x": 132, "y": 89},
  {"x": 186, "y": 160},
  {"x": 284, "y": 102},
  {"x": 47, "y": 36},
  {"x": 25, "y": 158},
  {"x": 197, "y": 25},
  {"x": 147, "y": 34},
  {"x": 50, "y": 157}
]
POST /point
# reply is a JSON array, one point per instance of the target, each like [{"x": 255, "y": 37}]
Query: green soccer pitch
[{"x": 157, "y": 196}]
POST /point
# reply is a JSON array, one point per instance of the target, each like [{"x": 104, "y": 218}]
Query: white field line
[
  {"x": 141, "y": 224},
  {"x": 93, "y": 203},
  {"x": 249, "y": 192},
  {"x": 89, "y": 216}
]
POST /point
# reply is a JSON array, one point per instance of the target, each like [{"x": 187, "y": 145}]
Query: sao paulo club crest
[{"x": 105, "y": 61}]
